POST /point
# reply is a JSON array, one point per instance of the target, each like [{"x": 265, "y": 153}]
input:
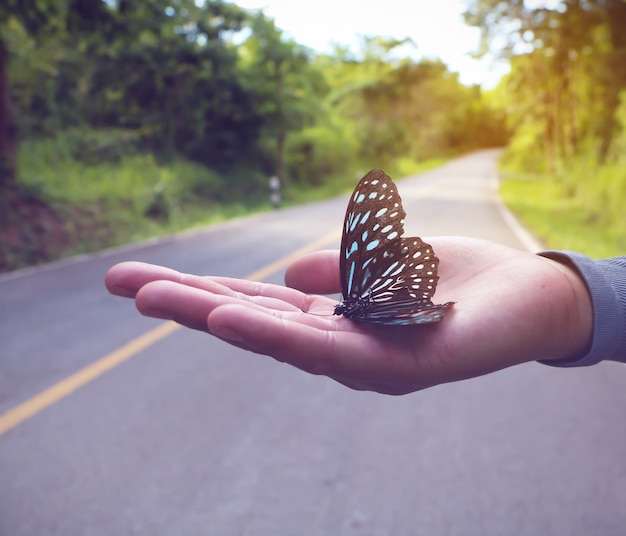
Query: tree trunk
[
  {"x": 8, "y": 130},
  {"x": 280, "y": 149},
  {"x": 281, "y": 136}
]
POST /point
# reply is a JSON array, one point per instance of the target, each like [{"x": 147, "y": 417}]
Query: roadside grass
[
  {"x": 345, "y": 183},
  {"x": 81, "y": 194},
  {"x": 173, "y": 194},
  {"x": 69, "y": 205},
  {"x": 113, "y": 196},
  {"x": 582, "y": 215}
]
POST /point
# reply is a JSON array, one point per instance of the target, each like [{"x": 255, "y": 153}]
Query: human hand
[{"x": 512, "y": 307}]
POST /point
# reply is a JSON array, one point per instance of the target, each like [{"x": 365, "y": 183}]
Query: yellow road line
[
  {"x": 31, "y": 407},
  {"x": 67, "y": 386},
  {"x": 268, "y": 270}
]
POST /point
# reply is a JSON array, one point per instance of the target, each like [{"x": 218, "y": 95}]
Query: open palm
[{"x": 512, "y": 307}]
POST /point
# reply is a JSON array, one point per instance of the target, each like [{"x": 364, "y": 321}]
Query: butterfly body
[{"x": 386, "y": 279}]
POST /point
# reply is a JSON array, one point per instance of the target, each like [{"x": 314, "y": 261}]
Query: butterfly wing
[
  {"x": 374, "y": 219},
  {"x": 403, "y": 293},
  {"x": 386, "y": 279}
]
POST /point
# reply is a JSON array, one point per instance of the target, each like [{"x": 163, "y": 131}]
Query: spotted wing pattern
[{"x": 386, "y": 279}]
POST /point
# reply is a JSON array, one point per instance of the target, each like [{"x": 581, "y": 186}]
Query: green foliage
[
  {"x": 567, "y": 222},
  {"x": 402, "y": 108},
  {"x": 565, "y": 100},
  {"x": 55, "y": 168},
  {"x": 172, "y": 77},
  {"x": 318, "y": 151},
  {"x": 151, "y": 115},
  {"x": 68, "y": 207},
  {"x": 568, "y": 66},
  {"x": 286, "y": 88}
]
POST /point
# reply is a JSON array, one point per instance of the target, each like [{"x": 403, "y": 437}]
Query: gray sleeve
[{"x": 606, "y": 282}]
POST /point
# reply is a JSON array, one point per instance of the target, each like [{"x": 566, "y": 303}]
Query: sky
[{"x": 436, "y": 27}]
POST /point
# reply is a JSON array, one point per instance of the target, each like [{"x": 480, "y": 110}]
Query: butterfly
[{"x": 385, "y": 278}]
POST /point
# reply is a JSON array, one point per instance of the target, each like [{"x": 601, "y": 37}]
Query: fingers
[
  {"x": 333, "y": 347},
  {"x": 190, "y": 305},
  {"x": 172, "y": 301},
  {"x": 312, "y": 347},
  {"x": 255, "y": 288},
  {"x": 348, "y": 354},
  {"x": 316, "y": 273},
  {"x": 126, "y": 278}
]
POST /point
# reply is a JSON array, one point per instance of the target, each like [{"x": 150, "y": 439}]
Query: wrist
[{"x": 572, "y": 314}]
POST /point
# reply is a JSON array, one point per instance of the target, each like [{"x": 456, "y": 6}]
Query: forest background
[{"x": 124, "y": 119}]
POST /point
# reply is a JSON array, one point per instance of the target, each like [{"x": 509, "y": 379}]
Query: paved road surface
[{"x": 193, "y": 437}]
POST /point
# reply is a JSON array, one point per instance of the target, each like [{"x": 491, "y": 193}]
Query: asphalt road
[{"x": 193, "y": 437}]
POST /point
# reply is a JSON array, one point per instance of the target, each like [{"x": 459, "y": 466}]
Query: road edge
[{"x": 526, "y": 238}]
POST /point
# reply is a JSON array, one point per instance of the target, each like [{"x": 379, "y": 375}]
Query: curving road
[{"x": 189, "y": 436}]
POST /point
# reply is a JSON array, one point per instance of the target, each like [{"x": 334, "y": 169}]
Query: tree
[
  {"x": 287, "y": 87},
  {"x": 568, "y": 69},
  {"x": 39, "y": 18},
  {"x": 406, "y": 108},
  {"x": 165, "y": 72},
  {"x": 173, "y": 74}
]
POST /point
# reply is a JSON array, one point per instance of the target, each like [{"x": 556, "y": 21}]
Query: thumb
[{"x": 315, "y": 273}]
